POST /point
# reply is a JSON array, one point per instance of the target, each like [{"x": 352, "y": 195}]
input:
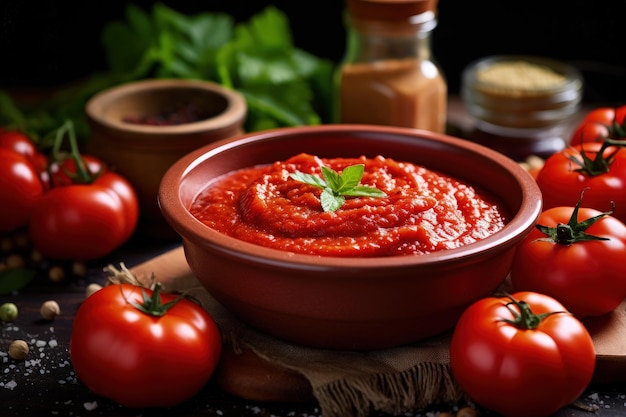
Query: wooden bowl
[{"x": 142, "y": 152}]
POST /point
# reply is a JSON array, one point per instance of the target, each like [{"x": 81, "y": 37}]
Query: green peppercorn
[{"x": 8, "y": 312}]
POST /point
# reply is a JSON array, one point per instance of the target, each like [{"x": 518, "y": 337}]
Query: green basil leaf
[
  {"x": 333, "y": 179},
  {"x": 309, "y": 179},
  {"x": 331, "y": 201},
  {"x": 363, "y": 191},
  {"x": 338, "y": 186},
  {"x": 350, "y": 177}
]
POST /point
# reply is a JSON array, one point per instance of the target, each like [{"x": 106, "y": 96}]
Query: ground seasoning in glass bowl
[{"x": 520, "y": 104}]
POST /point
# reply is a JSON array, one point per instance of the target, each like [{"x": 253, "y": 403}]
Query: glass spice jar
[
  {"x": 388, "y": 75},
  {"x": 521, "y": 104}
]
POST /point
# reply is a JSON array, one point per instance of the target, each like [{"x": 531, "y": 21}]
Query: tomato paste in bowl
[
  {"x": 341, "y": 293},
  {"x": 422, "y": 211}
]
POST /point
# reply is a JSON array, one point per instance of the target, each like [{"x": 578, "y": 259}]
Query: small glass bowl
[{"x": 521, "y": 104}]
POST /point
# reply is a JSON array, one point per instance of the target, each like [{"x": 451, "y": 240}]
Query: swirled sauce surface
[{"x": 423, "y": 211}]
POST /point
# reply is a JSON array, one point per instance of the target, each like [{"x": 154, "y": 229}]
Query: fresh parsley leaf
[{"x": 336, "y": 187}]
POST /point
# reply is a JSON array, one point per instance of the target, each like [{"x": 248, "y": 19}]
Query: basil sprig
[{"x": 336, "y": 187}]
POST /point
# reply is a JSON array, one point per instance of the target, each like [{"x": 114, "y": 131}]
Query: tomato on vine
[
  {"x": 66, "y": 172},
  {"x": 522, "y": 354},
  {"x": 598, "y": 167},
  {"x": 599, "y": 124},
  {"x": 88, "y": 215},
  {"x": 576, "y": 255}
]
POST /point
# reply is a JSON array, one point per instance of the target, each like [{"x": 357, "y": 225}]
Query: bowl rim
[
  {"x": 235, "y": 111},
  {"x": 193, "y": 230}
]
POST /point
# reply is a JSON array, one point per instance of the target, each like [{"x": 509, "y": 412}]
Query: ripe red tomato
[
  {"x": 561, "y": 180},
  {"x": 20, "y": 143},
  {"x": 599, "y": 124},
  {"x": 85, "y": 221},
  {"x": 64, "y": 173},
  {"x": 519, "y": 367},
  {"x": 123, "y": 189},
  {"x": 17, "y": 142},
  {"x": 20, "y": 190},
  {"x": 560, "y": 258},
  {"x": 139, "y": 359}
]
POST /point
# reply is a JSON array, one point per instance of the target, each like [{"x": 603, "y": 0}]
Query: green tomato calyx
[
  {"x": 336, "y": 187},
  {"x": 523, "y": 316},
  {"x": 152, "y": 305},
  {"x": 574, "y": 231},
  {"x": 600, "y": 163},
  {"x": 83, "y": 175}
]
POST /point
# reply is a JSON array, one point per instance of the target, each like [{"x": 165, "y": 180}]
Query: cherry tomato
[
  {"x": 599, "y": 124},
  {"x": 85, "y": 221},
  {"x": 64, "y": 172},
  {"x": 561, "y": 180},
  {"x": 575, "y": 259},
  {"x": 139, "y": 359},
  {"x": 521, "y": 356},
  {"x": 20, "y": 190}
]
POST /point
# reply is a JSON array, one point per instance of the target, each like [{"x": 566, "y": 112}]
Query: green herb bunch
[{"x": 283, "y": 85}]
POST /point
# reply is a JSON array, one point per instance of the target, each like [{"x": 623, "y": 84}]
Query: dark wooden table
[{"x": 44, "y": 384}]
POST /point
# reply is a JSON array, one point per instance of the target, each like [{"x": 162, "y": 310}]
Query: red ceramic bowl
[{"x": 349, "y": 303}]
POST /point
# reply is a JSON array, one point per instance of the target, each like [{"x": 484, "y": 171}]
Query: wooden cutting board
[{"x": 251, "y": 377}]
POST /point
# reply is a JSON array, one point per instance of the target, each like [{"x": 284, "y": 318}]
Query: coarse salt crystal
[
  {"x": 91, "y": 406},
  {"x": 10, "y": 385}
]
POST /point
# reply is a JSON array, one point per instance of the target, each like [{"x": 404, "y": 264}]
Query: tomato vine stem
[{"x": 82, "y": 175}]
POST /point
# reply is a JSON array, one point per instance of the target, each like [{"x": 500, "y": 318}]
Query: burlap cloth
[
  {"x": 349, "y": 383},
  {"x": 344, "y": 383}
]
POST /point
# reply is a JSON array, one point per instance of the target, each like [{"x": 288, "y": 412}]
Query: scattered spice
[
  {"x": 14, "y": 261},
  {"x": 467, "y": 412},
  {"x": 18, "y": 349},
  {"x": 180, "y": 114},
  {"x": 56, "y": 273},
  {"x": 92, "y": 288},
  {"x": 79, "y": 269},
  {"x": 8, "y": 312},
  {"x": 50, "y": 310}
]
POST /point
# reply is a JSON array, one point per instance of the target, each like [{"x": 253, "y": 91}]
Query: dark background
[{"x": 53, "y": 42}]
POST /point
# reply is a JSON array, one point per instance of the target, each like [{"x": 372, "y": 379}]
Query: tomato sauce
[{"x": 423, "y": 212}]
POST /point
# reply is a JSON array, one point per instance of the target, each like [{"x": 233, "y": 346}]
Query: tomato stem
[
  {"x": 152, "y": 305},
  {"x": 574, "y": 231},
  {"x": 525, "y": 319},
  {"x": 82, "y": 175},
  {"x": 600, "y": 164}
]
